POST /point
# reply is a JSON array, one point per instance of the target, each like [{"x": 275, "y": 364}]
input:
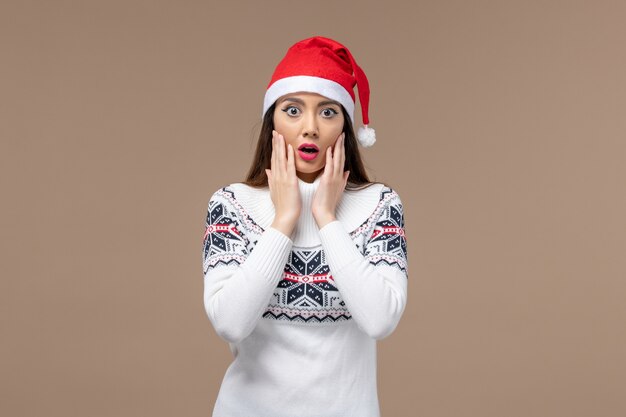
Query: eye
[
  {"x": 329, "y": 112},
  {"x": 290, "y": 112}
]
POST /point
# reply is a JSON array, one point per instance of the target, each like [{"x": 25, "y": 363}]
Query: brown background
[{"x": 501, "y": 124}]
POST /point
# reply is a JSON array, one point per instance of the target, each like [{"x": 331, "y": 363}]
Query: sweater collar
[
  {"x": 353, "y": 208},
  {"x": 306, "y": 231},
  {"x": 309, "y": 188}
]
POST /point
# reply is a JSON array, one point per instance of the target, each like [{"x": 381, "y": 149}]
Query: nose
[{"x": 310, "y": 128}]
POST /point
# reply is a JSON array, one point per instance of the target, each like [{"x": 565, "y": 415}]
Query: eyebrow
[{"x": 321, "y": 103}]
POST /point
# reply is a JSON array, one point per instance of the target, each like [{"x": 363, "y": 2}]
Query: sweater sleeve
[
  {"x": 239, "y": 275},
  {"x": 373, "y": 284}
]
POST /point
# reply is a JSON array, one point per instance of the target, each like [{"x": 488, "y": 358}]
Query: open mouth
[
  {"x": 308, "y": 148},
  {"x": 308, "y": 151}
]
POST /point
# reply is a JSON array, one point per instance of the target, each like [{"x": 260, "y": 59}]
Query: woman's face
[{"x": 308, "y": 120}]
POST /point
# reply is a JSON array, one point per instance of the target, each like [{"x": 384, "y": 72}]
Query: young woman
[{"x": 305, "y": 262}]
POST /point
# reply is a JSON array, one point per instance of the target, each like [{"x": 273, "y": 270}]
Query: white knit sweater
[{"x": 302, "y": 313}]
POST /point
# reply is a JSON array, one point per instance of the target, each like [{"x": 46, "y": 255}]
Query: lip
[
  {"x": 309, "y": 145},
  {"x": 308, "y": 156}
]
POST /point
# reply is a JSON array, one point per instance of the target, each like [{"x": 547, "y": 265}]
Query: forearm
[
  {"x": 236, "y": 296},
  {"x": 374, "y": 295}
]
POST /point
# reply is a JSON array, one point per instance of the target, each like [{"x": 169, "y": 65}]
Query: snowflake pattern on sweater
[{"x": 306, "y": 292}]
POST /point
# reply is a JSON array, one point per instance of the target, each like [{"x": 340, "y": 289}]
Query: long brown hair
[{"x": 257, "y": 177}]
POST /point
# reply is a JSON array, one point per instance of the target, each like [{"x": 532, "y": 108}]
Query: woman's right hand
[{"x": 283, "y": 183}]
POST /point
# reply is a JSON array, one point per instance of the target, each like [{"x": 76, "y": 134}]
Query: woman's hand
[
  {"x": 332, "y": 184},
  {"x": 283, "y": 184}
]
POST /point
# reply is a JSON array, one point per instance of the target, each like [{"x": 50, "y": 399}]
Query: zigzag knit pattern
[
  {"x": 307, "y": 292},
  {"x": 387, "y": 240}
]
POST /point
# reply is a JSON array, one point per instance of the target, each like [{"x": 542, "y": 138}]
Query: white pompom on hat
[{"x": 326, "y": 67}]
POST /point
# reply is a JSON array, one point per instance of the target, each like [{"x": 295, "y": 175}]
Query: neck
[{"x": 309, "y": 176}]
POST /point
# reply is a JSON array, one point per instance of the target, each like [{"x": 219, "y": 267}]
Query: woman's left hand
[{"x": 332, "y": 184}]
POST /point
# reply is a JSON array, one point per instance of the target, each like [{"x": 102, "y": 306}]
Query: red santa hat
[{"x": 324, "y": 66}]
